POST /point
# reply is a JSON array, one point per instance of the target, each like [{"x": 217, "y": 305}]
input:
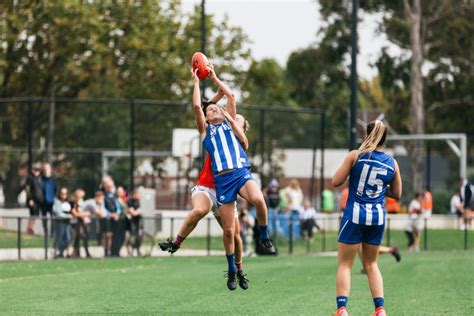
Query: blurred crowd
[{"x": 111, "y": 214}]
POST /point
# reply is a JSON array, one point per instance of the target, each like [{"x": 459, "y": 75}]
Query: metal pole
[
  {"x": 262, "y": 143},
  {"x": 208, "y": 236},
  {"x": 46, "y": 242},
  {"x": 465, "y": 234},
  {"x": 18, "y": 237},
  {"x": 428, "y": 167},
  {"x": 290, "y": 233},
  {"x": 388, "y": 232},
  {"x": 132, "y": 144},
  {"x": 30, "y": 136},
  {"x": 463, "y": 166},
  {"x": 321, "y": 173},
  {"x": 203, "y": 43},
  {"x": 353, "y": 100},
  {"x": 425, "y": 235},
  {"x": 313, "y": 171}
]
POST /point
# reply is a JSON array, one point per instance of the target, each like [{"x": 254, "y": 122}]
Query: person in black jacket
[{"x": 34, "y": 194}]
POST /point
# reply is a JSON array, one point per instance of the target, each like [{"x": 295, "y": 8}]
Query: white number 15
[{"x": 372, "y": 181}]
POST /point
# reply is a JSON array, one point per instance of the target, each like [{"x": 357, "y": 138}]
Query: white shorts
[{"x": 211, "y": 195}]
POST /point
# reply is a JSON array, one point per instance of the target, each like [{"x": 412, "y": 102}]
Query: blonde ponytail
[{"x": 376, "y": 134}]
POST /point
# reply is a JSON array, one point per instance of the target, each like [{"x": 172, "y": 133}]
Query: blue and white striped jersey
[
  {"x": 368, "y": 182},
  {"x": 224, "y": 148}
]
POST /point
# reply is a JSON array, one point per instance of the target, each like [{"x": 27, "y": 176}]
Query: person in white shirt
[
  {"x": 455, "y": 208},
  {"x": 415, "y": 223},
  {"x": 308, "y": 220}
]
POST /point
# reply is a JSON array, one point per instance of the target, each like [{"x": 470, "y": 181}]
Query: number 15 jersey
[{"x": 368, "y": 182}]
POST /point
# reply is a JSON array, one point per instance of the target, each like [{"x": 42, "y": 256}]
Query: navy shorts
[
  {"x": 228, "y": 185},
  {"x": 350, "y": 233}
]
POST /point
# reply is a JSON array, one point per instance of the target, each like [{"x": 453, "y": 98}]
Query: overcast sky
[{"x": 278, "y": 27}]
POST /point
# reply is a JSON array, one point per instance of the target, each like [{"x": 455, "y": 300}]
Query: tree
[{"x": 128, "y": 49}]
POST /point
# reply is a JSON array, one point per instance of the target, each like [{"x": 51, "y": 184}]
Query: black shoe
[
  {"x": 267, "y": 247},
  {"x": 231, "y": 280},
  {"x": 243, "y": 281},
  {"x": 396, "y": 253},
  {"x": 168, "y": 246}
]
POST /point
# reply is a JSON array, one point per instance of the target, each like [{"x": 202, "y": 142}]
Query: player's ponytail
[{"x": 376, "y": 135}]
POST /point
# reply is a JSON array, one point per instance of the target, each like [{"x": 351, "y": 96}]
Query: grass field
[{"x": 431, "y": 283}]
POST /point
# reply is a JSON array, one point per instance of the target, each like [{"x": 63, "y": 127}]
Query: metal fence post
[
  {"x": 290, "y": 235},
  {"x": 45, "y": 239},
  {"x": 465, "y": 234},
  {"x": 324, "y": 236},
  {"x": 388, "y": 232},
  {"x": 172, "y": 227},
  {"x": 18, "y": 237},
  {"x": 132, "y": 144},
  {"x": 321, "y": 173},
  {"x": 425, "y": 235},
  {"x": 208, "y": 236}
]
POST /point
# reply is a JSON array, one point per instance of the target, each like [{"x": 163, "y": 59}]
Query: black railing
[{"x": 205, "y": 240}]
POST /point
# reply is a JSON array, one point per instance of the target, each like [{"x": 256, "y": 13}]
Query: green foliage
[{"x": 115, "y": 49}]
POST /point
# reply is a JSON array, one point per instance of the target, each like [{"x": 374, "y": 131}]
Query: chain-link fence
[{"x": 132, "y": 140}]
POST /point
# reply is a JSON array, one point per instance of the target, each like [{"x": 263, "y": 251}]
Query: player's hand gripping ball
[{"x": 200, "y": 62}]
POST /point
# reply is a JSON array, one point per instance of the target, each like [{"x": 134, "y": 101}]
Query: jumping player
[
  {"x": 203, "y": 193},
  {"x": 231, "y": 171},
  {"x": 372, "y": 175}
]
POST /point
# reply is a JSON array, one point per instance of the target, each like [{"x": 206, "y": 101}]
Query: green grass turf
[{"x": 431, "y": 283}]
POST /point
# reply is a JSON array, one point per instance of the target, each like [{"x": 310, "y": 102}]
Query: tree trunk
[{"x": 417, "y": 111}]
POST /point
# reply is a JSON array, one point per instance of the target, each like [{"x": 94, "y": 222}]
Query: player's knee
[
  {"x": 229, "y": 232},
  {"x": 199, "y": 212},
  {"x": 370, "y": 266}
]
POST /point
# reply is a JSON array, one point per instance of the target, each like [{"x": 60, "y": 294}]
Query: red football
[{"x": 199, "y": 62}]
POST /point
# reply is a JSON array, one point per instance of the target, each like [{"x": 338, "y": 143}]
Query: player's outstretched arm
[
  {"x": 239, "y": 133},
  {"x": 395, "y": 189},
  {"x": 231, "y": 105},
  {"x": 198, "y": 113},
  {"x": 217, "y": 97},
  {"x": 343, "y": 172}
]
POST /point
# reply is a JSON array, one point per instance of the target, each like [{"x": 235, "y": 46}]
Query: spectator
[
  {"x": 96, "y": 207},
  {"x": 455, "y": 208},
  {"x": 308, "y": 221},
  {"x": 134, "y": 215},
  {"x": 467, "y": 200},
  {"x": 48, "y": 184},
  {"x": 79, "y": 222},
  {"x": 113, "y": 209},
  {"x": 343, "y": 198},
  {"x": 427, "y": 203},
  {"x": 34, "y": 196},
  {"x": 392, "y": 205},
  {"x": 415, "y": 223},
  {"x": 62, "y": 215},
  {"x": 120, "y": 232},
  {"x": 328, "y": 201},
  {"x": 272, "y": 198},
  {"x": 294, "y": 197}
]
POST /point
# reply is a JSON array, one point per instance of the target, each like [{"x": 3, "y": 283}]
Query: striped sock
[
  {"x": 239, "y": 266},
  {"x": 179, "y": 240}
]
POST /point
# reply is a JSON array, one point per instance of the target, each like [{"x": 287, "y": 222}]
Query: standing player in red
[{"x": 203, "y": 194}]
